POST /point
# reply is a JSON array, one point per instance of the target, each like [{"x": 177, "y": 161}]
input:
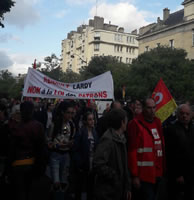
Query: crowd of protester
[{"x": 126, "y": 154}]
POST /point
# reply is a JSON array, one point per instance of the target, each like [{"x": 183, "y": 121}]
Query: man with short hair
[
  {"x": 110, "y": 160},
  {"x": 179, "y": 139},
  {"x": 146, "y": 152},
  {"x": 102, "y": 125}
]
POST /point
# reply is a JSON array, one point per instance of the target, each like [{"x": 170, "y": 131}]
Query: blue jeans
[{"x": 59, "y": 166}]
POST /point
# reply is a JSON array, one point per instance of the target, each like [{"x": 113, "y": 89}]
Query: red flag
[
  {"x": 34, "y": 65},
  {"x": 165, "y": 104}
]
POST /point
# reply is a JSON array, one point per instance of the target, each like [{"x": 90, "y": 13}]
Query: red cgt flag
[{"x": 165, "y": 104}]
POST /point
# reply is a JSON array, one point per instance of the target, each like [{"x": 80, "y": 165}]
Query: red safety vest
[{"x": 141, "y": 149}]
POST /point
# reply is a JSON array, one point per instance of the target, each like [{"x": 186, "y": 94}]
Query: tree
[
  {"x": 5, "y": 6},
  {"x": 97, "y": 66},
  {"x": 163, "y": 62},
  {"x": 7, "y": 83},
  {"x": 71, "y": 77},
  {"x": 101, "y": 64},
  {"x": 51, "y": 67},
  {"x": 17, "y": 89}
]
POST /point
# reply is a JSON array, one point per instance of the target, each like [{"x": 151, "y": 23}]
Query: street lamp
[{"x": 73, "y": 56}]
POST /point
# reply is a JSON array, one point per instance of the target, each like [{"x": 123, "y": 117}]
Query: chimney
[{"x": 166, "y": 13}]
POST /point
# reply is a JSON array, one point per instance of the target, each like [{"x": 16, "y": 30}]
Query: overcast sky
[{"x": 34, "y": 29}]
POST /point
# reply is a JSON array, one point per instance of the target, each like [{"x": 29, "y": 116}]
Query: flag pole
[{"x": 34, "y": 65}]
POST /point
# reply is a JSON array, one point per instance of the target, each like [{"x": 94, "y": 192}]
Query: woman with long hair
[
  {"x": 61, "y": 141},
  {"x": 83, "y": 151}
]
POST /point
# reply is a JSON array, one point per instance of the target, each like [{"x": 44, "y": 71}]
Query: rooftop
[{"x": 173, "y": 19}]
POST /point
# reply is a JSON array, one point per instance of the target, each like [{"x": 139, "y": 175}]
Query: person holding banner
[
  {"x": 179, "y": 139},
  {"x": 146, "y": 152}
]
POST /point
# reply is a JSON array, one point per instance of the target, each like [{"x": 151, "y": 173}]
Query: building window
[
  {"x": 96, "y": 47},
  {"x": 127, "y": 60},
  {"x": 115, "y": 37},
  {"x": 193, "y": 37},
  {"x": 147, "y": 48},
  {"x": 71, "y": 44},
  {"x": 120, "y": 59},
  {"x": 128, "y": 39},
  {"x": 121, "y": 48},
  {"x": 133, "y": 40},
  {"x": 118, "y": 37},
  {"x": 118, "y": 48},
  {"x": 97, "y": 36},
  {"x": 69, "y": 66},
  {"x": 171, "y": 43}
]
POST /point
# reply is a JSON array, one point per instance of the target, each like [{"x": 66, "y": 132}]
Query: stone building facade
[
  {"x": 175, "y": 30},
  {"x": 97, "y": 39}
]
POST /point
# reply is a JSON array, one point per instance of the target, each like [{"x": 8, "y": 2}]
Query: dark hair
[
  {"x": 63, "y": 106},
  {"x": 113, "y": 104},
  {"x": 58, "y": 118},
  {"x": 2, "y": 107},
  {"x": 85, "y": 117},
  {"x": 48, "y": 104},
  {"x": 26, "y": 109},
  {"x": 115, "y": 118}
]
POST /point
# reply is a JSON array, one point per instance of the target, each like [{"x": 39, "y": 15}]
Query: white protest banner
[{"x": 40, "y": 85}]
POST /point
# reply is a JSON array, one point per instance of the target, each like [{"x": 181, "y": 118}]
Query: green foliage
[
  {"x": 98, "y": 65},
  {"x": 140, "y": 78},
  {"x": 51, "y": 67},
  {"x": 5, "y": 6},
  {"x": 163, "y": 62},
  {"x": 71, "y": 77},
  {"x": 101, "y": 64},
  {"x": 16, "y": 91},
  {"x": 7, "y": 83}
]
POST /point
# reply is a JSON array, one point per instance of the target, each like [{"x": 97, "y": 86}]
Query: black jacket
[
  {"x": 180, "y": 150},
  {"x": 81, "y": 148},
  {"x": 110, "y": 166}
]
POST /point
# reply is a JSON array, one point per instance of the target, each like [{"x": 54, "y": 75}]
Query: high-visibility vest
[{"x": 141, "y": 150}]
